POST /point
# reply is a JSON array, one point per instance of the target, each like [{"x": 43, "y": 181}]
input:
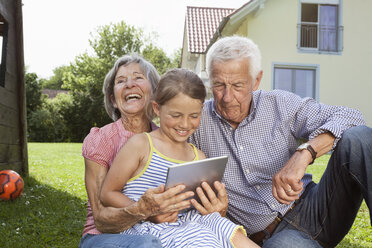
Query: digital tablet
[{"x": 193, "y": 173}]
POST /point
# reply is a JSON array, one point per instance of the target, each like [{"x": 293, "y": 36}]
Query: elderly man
[{"x": 269, "y": 192}]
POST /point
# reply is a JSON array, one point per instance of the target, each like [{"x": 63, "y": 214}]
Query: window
[
  {"x": 3, "y": 50},
  {"x": 319, "y": 27},
  {"x": 299, "y": 79}
]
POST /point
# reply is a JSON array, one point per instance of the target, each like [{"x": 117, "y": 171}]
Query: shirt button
[
  {"x": 231, "y": 128},
  {"x": 273, "y": 205},
  {"x": 247, "y": 171},
  {"x": 241, "y": 147},
  {"x": 258, "y": 187}
]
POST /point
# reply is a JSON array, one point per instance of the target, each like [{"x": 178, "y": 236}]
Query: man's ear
[
  {"x": 155, "y": 107},
  {"x": 257, "y": 81},
  {"x": 113, "y": 101}
]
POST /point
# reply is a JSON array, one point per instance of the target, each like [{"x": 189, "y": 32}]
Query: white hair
[{"x": 234, "y": 47}]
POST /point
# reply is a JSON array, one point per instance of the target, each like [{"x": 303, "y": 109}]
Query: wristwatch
[{"x": 307, "y": 146}]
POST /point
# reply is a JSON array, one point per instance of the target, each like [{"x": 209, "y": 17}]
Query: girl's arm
[
  {"x": 157, "y": 201},
  {"x": 125, "y": 165},
  {"x": 108, "y": 219}
]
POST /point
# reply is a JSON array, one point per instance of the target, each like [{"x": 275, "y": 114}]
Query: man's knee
[
  {"x": 356, "y": 137},
  {"x": 291, "y": 238}
]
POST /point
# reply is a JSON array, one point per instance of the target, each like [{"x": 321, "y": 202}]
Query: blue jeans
[
  {"x": 327, "y": 210},
  {"x": 119, "y": 241}
]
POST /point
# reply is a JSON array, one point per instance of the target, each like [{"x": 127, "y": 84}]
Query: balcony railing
[
  {"x": 320, "y": 37},
  {"x": 309, "y": 35}
]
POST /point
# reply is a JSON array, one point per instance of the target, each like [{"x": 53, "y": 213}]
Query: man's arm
[
  {"x": 323, "y": 125},
  {"x": 287, "y": 184}
]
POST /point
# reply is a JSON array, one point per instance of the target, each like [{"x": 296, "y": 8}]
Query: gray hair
[
  {"x": 108, "y": 85},
  {"x": 235, "y": 47}
]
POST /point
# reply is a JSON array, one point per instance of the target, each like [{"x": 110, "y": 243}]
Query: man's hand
[
  {"x": 212, "y": 203},
  {"x": 287, "y": 184}
]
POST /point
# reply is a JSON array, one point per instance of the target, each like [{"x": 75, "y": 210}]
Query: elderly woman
[{"x": 127, "y": 89}]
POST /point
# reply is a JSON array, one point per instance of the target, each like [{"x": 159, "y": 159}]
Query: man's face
[{"x": 232, "y": 86}]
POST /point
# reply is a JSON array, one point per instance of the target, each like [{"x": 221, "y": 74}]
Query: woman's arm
[
  {"x": 128, "y": 163},
  {"x": 108, "y": 219},
  {"x": 115, "y": 220}
]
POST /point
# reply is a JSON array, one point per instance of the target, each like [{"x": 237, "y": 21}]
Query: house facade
[
  {"x": 316, "y": 48},
  {"x": 13, "y": 140}
]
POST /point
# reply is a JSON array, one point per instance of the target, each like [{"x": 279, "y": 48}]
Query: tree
[
  {"x": 56, "y": 81},
  {"x": 84, "y": 77},
  {"x": 176, "y": 58},
  {"x": 69, "y": 117},
  {"x": 160, "y": 60},
  {"x": 45, "y": 122},
  {"x": 34, "y": 94},
  {"x": 157, "y": 57},
  {"x": 115, "y": 40}
]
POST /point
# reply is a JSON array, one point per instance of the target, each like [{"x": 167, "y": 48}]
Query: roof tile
[{"x": 201, "y": 24}]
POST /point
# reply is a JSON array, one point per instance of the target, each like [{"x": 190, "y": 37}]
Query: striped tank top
[{"x": 153, "y": 174}]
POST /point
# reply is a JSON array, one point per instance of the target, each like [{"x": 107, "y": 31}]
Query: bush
[{"x": 47, "y": 123}]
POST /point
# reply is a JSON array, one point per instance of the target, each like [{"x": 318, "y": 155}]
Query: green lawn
[{"x": 51, "y": 212}]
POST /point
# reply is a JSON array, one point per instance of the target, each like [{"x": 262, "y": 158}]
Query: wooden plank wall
[{"x": 13, "y": 144}]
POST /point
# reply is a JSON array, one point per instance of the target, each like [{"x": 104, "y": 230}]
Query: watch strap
[{"x": 310, "y": 149}]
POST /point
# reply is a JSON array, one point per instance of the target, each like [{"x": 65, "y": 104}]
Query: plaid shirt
[{"x": 262, "y": 144}]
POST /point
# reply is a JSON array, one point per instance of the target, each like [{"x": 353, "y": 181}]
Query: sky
[{"x": 56, "y": 31}]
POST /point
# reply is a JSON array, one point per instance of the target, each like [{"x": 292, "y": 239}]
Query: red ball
[{"x": 11, "y": 185}]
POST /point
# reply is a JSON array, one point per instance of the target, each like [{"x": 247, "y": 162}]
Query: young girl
[{"x": 142, "y": 163}]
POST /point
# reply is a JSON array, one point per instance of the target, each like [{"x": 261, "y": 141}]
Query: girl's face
[
  {"x": 131, "y": 90},
  {"x": 179, "y": 117}
]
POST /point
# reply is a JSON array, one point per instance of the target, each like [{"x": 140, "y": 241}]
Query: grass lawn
[{"x": 51, "y": 211}]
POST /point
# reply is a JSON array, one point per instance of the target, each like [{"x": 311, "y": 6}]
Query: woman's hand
[
  {"x": 158, "y": 201},
  {"x": 212, "y": 203}
]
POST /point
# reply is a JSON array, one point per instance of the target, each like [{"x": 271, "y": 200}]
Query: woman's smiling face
[{"x": 131, "y": 90}]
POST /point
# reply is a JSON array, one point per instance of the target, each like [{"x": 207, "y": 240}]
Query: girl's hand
[
  {"x": 159, "y": 201},
  {"x": 168, "y": 217},
  {"x": 212, "y": 203}
]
